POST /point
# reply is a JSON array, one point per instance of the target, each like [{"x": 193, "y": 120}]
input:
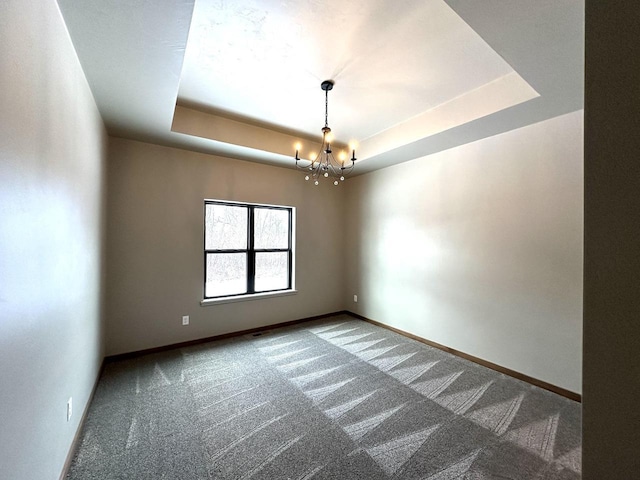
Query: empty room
[{"x": 259, "y": 239}]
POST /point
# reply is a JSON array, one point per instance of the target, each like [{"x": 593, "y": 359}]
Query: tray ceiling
[{"x": 242, "y": 78}]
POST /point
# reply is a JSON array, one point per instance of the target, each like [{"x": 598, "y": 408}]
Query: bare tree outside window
[
  {"x": 248, "y": 248},
  {"x": 226, "y": 227},
  {"x": 271, "y": 231},
  {"x": 271, "y": 228}
]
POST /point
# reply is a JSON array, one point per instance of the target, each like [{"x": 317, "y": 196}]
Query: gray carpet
[{"x": 331, "y": 399}]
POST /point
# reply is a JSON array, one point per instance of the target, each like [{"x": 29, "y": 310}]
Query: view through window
[{"x": 247, "y": 248}]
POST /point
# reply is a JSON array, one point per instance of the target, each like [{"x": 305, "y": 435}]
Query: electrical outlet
[
  {"x": 185, "y": 319},
  {"x": 355, "y": 298},
  {"x": 69, "y": 408}
]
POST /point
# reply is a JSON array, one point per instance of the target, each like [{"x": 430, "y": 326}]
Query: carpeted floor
[{"x": 336, "y": 398}]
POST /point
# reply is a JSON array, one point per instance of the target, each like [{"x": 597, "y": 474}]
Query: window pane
[
  {"x": 226, "y": 274},
  {"x": 271, "y": 228},
  {"x": 225, "y": 227},
  {"x": 272, "y": 271}
]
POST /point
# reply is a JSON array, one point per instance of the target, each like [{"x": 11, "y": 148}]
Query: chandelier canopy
[{"x": 324, "y": 164}]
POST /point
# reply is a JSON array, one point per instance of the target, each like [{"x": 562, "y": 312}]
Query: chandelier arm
[
  {"x": 335, "y": 168},
  {"x": 304, "y": 168},
  {"x": 351, "y": 165},
  {"x": 341, "y": 166}
]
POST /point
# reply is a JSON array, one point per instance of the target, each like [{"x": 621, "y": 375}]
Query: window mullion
[{"x": 251, "y": 254}]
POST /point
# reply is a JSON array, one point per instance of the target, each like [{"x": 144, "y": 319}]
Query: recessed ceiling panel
[
  {"x": 412, "y": 77},
  {"x": 265, "y": 59}
]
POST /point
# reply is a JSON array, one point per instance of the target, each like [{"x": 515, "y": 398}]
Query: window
[{"x": 247, "y": 249}]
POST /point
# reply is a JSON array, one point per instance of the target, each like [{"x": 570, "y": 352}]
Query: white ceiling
[{"x": 411, "y": 77}]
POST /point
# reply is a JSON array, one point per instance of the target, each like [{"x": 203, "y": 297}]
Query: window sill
[{"x": 243, "y": 298}]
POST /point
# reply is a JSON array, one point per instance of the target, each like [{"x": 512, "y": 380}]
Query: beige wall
[
  {"x": 479, "y": 248},
  {"x": 155, "y": 242},
  {"x": 52, "y": 148}
]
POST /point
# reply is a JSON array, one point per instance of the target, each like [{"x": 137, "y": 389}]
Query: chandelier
[{"x": 324, "y": 164}]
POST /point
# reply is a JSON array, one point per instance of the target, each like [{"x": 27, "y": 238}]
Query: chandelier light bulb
[
  {"x": 316, "y": 182},
  {"x": 306, "y": 177},
  {"x": 335, "y": 182},
  {"x": 342, "y": 179},
  {"x": 326, "y": 174}
]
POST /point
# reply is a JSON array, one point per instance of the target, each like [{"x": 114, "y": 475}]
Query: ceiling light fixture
[{"x": 324, "y": 163}]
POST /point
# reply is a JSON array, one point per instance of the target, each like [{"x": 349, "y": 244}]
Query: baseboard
[
  {"x": 498, "y": 368},
  {"x": 164, "y": 348},
  {"x": 76, "y": 438}
]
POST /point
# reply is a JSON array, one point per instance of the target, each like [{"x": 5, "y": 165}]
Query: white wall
[
  {"x": 479, "y": 248},
  {"x": 52, "y": 147},
  {"x": 155, "y": 244}
]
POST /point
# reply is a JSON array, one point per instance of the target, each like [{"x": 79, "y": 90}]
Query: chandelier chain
[{"x": 326, "y": 108}]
